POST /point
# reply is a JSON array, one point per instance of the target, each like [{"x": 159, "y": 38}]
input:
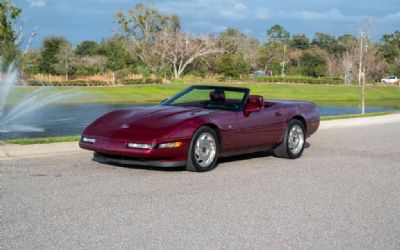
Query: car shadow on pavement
[
  {"x": 165, "y": 169},
  {"x": 245, "y": 157},
  {"x": 221, "y": 160},
  {"x": 249, "y": 156}
]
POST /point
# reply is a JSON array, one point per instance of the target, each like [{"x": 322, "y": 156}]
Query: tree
[
  {"x": 277, "y": 34},
  {"x": 142, "y": 25},
  {"x": 86, "y": 48},
  {"x": 9, "y": 35},
  {"x": 364, "y": 33},
  {"x": 178, "y": 49},
  {"x": 116, "y": 52},
  {"x": 348, "y": 60},
  {"x": 30, "y": 62},
  {"x": 232, "y": 40},
  {"x": 66, "y": 60},
  {"x": 240, "y": 50},
  {"x": 390, "y": 52},
  {"x": 91, "y": 65},
  {"x": 51, "y": 47},
  {"x": 328, "y": 42},
  {"x": 300, "y": 41},
  {"x": 312, "y": 64},
  {"x": 271, "y": 56},
  {"x": 332, "y": 64},
  {"x": 374, "y": 67},
  {"x": 158, "y": 42},
  {"x": 347, "y": 41},
  {"x": 232, "y": 67}
]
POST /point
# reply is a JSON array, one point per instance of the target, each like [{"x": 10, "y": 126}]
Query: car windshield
[{"x": 210, "y": 97}]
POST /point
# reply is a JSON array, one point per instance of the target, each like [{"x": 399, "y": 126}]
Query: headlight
[
  {"x": 88, "y": 140},
  {"x": 139, "y": 145},
  {"x": 170, "y": 145}
]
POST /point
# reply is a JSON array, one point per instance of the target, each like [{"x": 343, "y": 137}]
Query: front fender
[{"x": 185, "y": 129}]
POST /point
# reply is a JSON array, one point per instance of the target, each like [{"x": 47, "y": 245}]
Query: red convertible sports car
[{"x": 198, "y": 125}]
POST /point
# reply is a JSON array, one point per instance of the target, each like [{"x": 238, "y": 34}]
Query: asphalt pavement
[{"x": 343, "y": 193}]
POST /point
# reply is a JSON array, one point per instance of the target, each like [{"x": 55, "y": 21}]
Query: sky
[{"x": 79, "y": 20}]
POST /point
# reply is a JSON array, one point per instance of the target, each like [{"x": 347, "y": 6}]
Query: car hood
[{"x": 143, "y": 123}]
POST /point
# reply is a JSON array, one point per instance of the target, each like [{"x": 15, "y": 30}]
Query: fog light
[
  {"x": 88, "y": 140},
  {"x": 139, "y": 145},
  {"x": 170, "y": 145}
]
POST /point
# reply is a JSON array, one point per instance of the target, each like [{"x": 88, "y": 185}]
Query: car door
[{"x": 261, "y": 129}]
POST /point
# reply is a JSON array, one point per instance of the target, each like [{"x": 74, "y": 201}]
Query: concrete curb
[
  {"x": 12, "y": 151},
  {"x": 358, "y": 122}
]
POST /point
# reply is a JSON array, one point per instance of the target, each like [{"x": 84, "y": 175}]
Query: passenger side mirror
[{"x": 250, "y": 108}]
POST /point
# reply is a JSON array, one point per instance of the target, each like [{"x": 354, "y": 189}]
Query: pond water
[{"x": 63, "y": 120}]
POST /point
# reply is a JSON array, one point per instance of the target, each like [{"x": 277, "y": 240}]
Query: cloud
[
  {"x": 37, "y": 3},
  {"x": 236, "y": 11},
  {"x": 262, "y": 14},
  {"x": 231, "y": 14},
  {"x": 196, "y": 9},
  {"x": 332, "y": 14},
  {"x": 209, "y": 27},
  {"x": 239, "y": 11},
  {"x": 392, "y": 16},
  {"x": 328, "y": 15},
  {"x": 239, "y": 6}
]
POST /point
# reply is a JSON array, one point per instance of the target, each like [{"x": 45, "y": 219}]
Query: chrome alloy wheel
[
  {"x": 296, "y": 139},
  {"x": 205, "y": 150}
]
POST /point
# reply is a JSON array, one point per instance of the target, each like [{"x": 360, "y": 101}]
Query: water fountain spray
[
  {"x": 32, "y": 102},
  {"x": 7, "y": 82}
]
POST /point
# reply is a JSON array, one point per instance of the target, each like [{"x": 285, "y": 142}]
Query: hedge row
[
  {"x": 91, "y": 83},
  {"x": 235, "y": 78},
  {"x": 301, "y": 79},
  {"x": 67, "y": 83},
  {"x": 140, "y": 81}
]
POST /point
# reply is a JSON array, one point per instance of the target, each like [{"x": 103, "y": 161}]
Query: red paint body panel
[{"x": 239, "y": 132}]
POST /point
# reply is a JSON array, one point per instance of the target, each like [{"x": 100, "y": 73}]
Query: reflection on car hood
[{"x": 145, "y": 123}]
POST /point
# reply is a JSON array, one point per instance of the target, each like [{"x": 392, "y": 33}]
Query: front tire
[
  {"x": 203, "y": 150},
  {"x": 293, "y": 142}
]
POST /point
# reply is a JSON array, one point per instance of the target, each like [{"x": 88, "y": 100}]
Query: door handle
[{"x": 278, "y": 113}]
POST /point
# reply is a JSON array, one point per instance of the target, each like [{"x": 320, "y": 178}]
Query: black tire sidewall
[
  {"x": 191, "y": 156},
  {"x": 290, "y": 125}
]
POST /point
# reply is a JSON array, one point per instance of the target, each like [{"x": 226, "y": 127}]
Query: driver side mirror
[{"x": 250, "y": 108}]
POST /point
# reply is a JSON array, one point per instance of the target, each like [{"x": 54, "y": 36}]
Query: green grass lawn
[
  {"x": 43, "y": 140},
  {"x": 337, "y": 117},
  {"x": 153, "y": 93}
]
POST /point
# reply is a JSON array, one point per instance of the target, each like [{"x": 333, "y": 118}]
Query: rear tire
[
  {"x": 203, "y": 150},
  {"x": 293, "y": 142}
]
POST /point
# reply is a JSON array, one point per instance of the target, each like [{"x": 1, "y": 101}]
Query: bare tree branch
[{"x": 179, "y": 49}]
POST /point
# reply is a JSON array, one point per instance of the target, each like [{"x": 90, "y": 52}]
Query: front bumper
[
  {"x": 126, "y": 160},
  {"x": 116, "y": 150}
]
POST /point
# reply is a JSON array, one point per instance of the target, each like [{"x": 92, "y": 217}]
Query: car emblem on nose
[{"x": 125, "y": 126}]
